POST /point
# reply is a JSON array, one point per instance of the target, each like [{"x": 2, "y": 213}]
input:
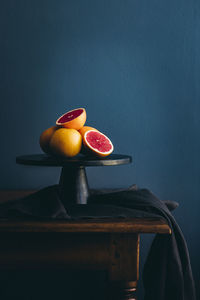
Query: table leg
[
  {"x": 73, "y": 186},
  {"x": 122, "y": 291},
  {"x": 124, "y": 266}
]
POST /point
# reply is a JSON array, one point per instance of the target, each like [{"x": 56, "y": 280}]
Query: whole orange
[
  {"x": 66, "y": 142},
  {"x": 84, "y": 129},
  {"x": 45, "y": 138}
]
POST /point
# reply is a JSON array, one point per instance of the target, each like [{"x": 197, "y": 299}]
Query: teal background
[{"x": 134, "y": 66}]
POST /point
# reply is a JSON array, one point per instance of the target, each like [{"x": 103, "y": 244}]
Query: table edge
[{"x": 113, "y": 225}]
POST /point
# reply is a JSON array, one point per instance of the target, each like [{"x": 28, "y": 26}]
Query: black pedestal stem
[
  {"x": 73, "y": 185},
  {"x": 73, "y": 180}
]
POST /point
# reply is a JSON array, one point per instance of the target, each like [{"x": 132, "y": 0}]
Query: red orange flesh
[
  {"x": 98, "y": 143},
  {"x": 73, "y": 119}
]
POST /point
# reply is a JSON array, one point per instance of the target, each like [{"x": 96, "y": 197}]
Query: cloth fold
[
  {"x": 44, "y": 204},
  {"x": 167, "y": 272}
]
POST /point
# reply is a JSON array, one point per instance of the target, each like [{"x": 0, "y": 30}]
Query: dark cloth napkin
[{"x": 167, "y": 273}]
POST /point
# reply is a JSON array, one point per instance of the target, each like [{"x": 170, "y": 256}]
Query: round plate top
[{"x": 79, "y": 160}]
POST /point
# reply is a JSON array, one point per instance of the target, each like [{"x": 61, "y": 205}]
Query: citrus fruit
[
  {"x": 84, "y": 129},
  {"x": 74, "y": 119},
  {"x": 98, "y": 143},
  {"x": 45, "y": 138},
  {"x": 66, "y": 142}
]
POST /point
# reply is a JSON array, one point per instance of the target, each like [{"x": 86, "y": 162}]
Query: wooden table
[{"x": 99, "y": 244}]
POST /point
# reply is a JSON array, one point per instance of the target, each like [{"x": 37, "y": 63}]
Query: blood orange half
[
  {"x": 73, "y": 119},
  {"x": 98, "y": 143}
]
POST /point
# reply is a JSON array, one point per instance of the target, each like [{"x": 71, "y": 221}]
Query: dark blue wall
[{"x": 134, "y": 66}]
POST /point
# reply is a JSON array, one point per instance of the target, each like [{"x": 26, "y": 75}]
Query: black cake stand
[{"x": 73, "y": 180}]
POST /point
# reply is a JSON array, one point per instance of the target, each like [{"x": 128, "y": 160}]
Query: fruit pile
[{"x": 69, "y": 137}]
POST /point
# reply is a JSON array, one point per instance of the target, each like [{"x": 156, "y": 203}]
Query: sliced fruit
[
  {"x": 98, "y": 143},
  {"x": 45, "y": 138},
  {"x": 84, "y": 129},
  {"x": 66, "y": 142},
  {"x": 73, "y": 119}
]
